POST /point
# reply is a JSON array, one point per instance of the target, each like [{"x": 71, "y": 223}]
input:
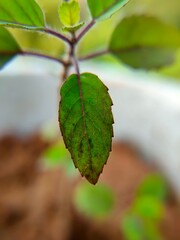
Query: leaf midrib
[{"x": 83, "y": 115}]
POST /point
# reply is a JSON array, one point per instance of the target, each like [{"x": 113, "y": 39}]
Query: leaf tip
[{"x": 91, "y": 179}]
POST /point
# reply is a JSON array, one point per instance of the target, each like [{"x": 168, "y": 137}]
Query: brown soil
[{"x": 37, "y": 205}]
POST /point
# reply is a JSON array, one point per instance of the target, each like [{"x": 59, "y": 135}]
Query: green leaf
[
  {"x": 103, "y": 9},
  {"x": 21, "y": 14},
  {"x": 55, "y": 154},
  {"x": 148, "y": 207},
  {"x": 8, "y": 47},
  {"x": 86, "y": 123},
  {"x": 145, "y": 42},
  {"x": 73, "y": 28},
  {"x": 132, "y": 227},
  {"x": 58, "y": 156},
  {"x": 94, "y": 201},
  {"x": 69, "y": 13},
  {"x": 154, "y": 186}
]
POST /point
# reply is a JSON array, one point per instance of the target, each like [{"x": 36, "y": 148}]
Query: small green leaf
[
  {"x": 148, "y": 207},
  {"x": 154, "y": 186},
  {"x": 132, "y": 227},
  {"x": 86, "y": 123},
  {"x": 58, "y": 156},
  {"x": 69, "y": 13},
  {"x": 21, "y": 14},
  {"x": 103, "y": 9},
  {"x": 55, "y": 154},
  {"x": 145, "y": 42},
  {"x": 73, "y": 28},
  {"x": 8, "y": 47},
  {"x": 94, "y": 201}
]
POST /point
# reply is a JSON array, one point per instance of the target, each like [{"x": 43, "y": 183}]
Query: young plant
[
  {"x": 96, "y": 202},
  {"x": 143, "y": 218},
  {"x": 85, "y": 115}
]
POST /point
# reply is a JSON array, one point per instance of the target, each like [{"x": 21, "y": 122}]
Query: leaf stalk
[
  {"x": 35, "y": 54},
  {"x": 57, "y": 34},
  {"x": 94, "y": 55},
  {"x": 85, "y": 30}
]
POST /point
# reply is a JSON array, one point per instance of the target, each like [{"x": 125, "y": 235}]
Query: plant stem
[
  {"x": 43, "y": 56},
  {"x": 72, "y": 54},
  {"x": 66, "y": 67},
  {"x": 84, "y": 31},
  {"x": 65, "y": 72},
  {"x": 76, "y": 66},
  {"x": 72, "y": 43},
  {"x": 56, "y": 34},
  {"x": 93, "y": 55}
]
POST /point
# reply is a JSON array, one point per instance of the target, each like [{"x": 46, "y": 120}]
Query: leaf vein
[{"x": 69, "y": 111}]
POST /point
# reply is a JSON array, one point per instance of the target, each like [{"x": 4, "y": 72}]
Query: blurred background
[{"x": 42, "y": 196}]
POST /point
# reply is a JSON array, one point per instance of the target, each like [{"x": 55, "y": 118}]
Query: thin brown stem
[
  {"x": 71, "y": 56},
  {"x": 76, "y": 66},
  {"x": 65, "y": 73},
  {"x": 84, "y": 31},
  {"x": 94, "y": 55},
  {"x": 35, "y": 54},
  {"x": 56, "y": 34}
]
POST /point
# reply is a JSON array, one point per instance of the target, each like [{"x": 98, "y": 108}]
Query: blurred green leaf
[
  {"x": 9, "y": 48},
  {"x": 58, "y": 156},
  {"x": 21, "y": 14},
  {"x": 145, "y": 42},
  {"x": 148, "y": 207},
  {"x": 142, "y": 219},
  {"x": 136, "y": 228},
  {"x": 84, "y": 119},
  {"x": 132, "y": 227},
  {"x": 152, "y": 230},
  {"x": 69, "y": 13},
  {"x": 153, "y": 186},
  {"x": 94, "y": 201},
  {"x": 73, "y": 28},
  {"x": 103, "y": 9},
  {"x": 173, "y": 71}
]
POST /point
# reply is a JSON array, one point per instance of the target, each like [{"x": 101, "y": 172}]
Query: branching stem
[
  {"x": 84, "y": 31},
  {"x": 56, "y": 34},
  {"x": 35, "y": 54},
  {"x": 94, "y": 55},
  {"x": 72, "y": 59}
]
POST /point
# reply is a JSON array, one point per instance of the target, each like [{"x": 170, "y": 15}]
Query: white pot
[{"x": 28, "y": 96}]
